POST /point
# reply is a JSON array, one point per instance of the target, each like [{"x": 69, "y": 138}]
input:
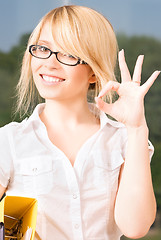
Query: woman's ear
[{"x": 93, "y": 78}]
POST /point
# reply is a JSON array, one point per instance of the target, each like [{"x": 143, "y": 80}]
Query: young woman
[{"x": 90, "y": 174}]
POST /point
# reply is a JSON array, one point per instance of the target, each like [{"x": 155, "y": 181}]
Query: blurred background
[{"x": 137, "y": 24}]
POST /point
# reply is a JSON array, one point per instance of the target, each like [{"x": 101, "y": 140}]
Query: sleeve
[
  {"x": 5, "y": 157},
  {"x": 151, "y": 149}
]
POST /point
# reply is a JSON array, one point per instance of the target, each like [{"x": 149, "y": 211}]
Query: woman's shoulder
[{"x": 11, "y": 128}]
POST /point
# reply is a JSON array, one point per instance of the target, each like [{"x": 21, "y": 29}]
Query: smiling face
[
  {"x": 55, "y": 80},
  {"x": 70, "y": 29}
]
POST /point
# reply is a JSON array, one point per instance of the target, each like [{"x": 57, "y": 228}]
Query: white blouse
[{"x": 74, "y": 203}]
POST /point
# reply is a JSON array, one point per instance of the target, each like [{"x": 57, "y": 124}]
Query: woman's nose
[{"x": 52, "y": 62}]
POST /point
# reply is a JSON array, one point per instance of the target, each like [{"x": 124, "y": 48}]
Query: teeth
[{"x": 51, "y": 79}]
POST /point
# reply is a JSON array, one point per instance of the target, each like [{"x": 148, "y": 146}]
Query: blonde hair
[{"x": 80, "y": 31}]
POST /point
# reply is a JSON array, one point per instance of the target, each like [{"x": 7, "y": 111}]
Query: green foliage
[
  {"x": 150, "y": 236},
  {"x": 24, "y": 39},
  {"x": 5, "y": 96},
  {"x": 10, "y": 65}
]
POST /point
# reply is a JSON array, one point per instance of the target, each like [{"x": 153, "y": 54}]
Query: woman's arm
[{"x": 135, "y": 206}]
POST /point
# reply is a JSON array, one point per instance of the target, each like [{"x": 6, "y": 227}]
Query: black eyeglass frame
[{"x": 56, "y": 54}]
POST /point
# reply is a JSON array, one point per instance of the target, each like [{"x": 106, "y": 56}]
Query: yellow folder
[{"x": 14, "y": 209}]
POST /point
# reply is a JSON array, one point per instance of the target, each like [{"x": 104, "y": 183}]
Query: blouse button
[
  {"x": 34, "y": 169},
  {"x": 76, "y": 226},
  {"x": 74, "y": 196}
]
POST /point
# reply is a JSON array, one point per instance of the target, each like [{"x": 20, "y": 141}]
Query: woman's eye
[
  {"x": 34, "y": 48},
  {"x": 43, "y": 49},
  {"x": 68, "y": 55}
]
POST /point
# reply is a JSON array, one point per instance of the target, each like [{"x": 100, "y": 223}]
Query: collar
[{"x": 104, "y": 119}]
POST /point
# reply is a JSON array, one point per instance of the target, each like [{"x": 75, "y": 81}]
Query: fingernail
[
  {"x": 122, "y": 51},
  {"x": 142, "y": 56}
]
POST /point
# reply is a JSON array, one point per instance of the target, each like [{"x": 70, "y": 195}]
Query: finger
[
  {"x": 138, "y": 69},
  {"x": 125, "y": 74},
  {"x": 105, "y": 107},
  {"x": 111, "y": 85},
  {"x": 146, "y": 86}
]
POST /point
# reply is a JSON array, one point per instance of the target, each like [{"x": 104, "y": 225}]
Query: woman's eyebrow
[
  {"x": 49, "y": 45},
  {"x": 44, "y": 42}
]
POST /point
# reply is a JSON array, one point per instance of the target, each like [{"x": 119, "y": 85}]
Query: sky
[{"x": 132, "y": 17}]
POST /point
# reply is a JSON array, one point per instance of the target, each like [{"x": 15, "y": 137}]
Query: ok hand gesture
[{"x": 129, "y": 108}]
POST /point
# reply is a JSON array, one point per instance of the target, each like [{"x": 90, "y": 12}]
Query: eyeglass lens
[{"x": 44, "y": 52}]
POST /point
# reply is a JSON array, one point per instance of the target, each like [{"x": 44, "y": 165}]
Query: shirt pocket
[
  {"x": 107, "y": 168},
  {"x": 36, "y": 174}
]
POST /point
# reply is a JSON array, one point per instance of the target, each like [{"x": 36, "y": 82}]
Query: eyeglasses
[{"x": 43, "y": 52}]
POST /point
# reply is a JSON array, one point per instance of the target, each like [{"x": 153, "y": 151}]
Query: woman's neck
[{"x": 66, "y": 114}]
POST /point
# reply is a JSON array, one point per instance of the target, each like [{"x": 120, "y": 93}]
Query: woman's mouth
[{"x": 51, "y": 79}]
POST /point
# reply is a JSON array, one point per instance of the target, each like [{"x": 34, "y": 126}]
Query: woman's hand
[
  {"x": 2, "y": 191},
  {"x": 129, "y": 108}
]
